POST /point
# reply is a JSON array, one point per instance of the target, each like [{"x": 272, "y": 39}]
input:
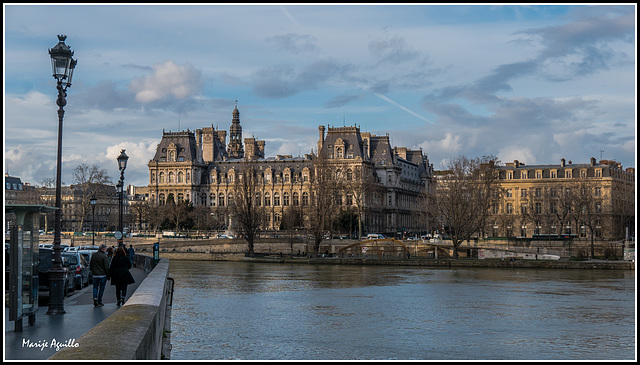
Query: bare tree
[
  {"x": 588, "y": 208},
  {"x": 291, "y": 222},
  {"x": 155, "y": 216},
  {"x": 361, "y": 185},
  {"x": 322, "y": 206},
  {"x": 623, "y": 210},
  {"x": 91, "y": 179},
  {"x": 176, "y": 212},
  {"x": 247, "y": 213},
  {"x": 140, "y": 210},
  {"x": 562, "y": 205},
  {"x": 201, "y": 216},
  {"x": 463, "y": 197}
]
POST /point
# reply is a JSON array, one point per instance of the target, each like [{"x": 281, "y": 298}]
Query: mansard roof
[
  {"x": 184, "y": 142},
  {"x": 381, "y": 151},
  {"x": 349, "y": 136}
]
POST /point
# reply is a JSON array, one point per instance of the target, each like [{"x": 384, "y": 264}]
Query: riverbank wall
[
  {"x": 136, "y": 331},
  {"x": 442, "y": 263}
]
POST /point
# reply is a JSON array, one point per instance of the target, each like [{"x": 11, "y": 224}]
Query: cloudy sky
[{"x": 528, "y": 83}]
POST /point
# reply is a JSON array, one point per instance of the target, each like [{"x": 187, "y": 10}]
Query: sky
[{"x": 533, "y": 83}]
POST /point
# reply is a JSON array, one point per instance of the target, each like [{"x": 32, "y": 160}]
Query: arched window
[
  {"x": 276, "y": 199},
  {"x": 221, "y": 200},
  {"x": 171, "y": 178},
  {"x": 296, "y": 199},
  {"x": 180, "y": 177},
  {"x": 305, "y": 198},
  {"x": 161, "y": 178},
  {"x": 267, "y": 199},
  {"x": 285, "y": 199}
]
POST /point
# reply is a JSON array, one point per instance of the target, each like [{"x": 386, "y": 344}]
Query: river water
[{"x": 254, "y": 311}]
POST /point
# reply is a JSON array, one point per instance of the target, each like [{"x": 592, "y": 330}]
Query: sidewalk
[{"x": 66, "y": 328}]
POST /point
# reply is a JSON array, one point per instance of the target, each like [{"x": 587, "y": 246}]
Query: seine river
[{"x": 251, "y": 311}]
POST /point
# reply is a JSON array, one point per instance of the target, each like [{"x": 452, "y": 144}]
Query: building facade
[
  {"x": 382, "y": 183},
  {"x": 76, "y": 212},
  {"x": 545, "y": 200}
]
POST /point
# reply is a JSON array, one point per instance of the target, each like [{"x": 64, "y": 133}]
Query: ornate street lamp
[
  {"x": 63, "y": 66},
  {"x": 122, "y": 165},
  {"x": 93, "y": 219}
]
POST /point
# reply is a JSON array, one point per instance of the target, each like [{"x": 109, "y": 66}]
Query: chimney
[
  {"x": 593, "y": 161},
  {"x": 516, "y": 163},
  {"x": 562, "y": 162},
  {"x": 321, "y": 138}
]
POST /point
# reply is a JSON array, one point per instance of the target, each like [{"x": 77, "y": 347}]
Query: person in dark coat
[
  {"x": 131, "y": 252},
  {"x": 120, "y": 275}
]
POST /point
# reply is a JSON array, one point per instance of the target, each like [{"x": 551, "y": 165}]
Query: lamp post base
[{"x": 56, "y": 291}]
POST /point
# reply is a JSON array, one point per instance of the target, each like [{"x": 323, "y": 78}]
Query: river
[{"x": 257, "y": 311}]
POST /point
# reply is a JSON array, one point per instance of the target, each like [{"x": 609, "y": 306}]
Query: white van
[{"x": 374, "y": 236}]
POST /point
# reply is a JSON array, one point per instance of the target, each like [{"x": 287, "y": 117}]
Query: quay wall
[
  {"x": 136, "y": 330},
  {"x": 443, "y": 263}
]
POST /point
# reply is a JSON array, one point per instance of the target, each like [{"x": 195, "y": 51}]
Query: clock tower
[{"x": 235, "y": 148}]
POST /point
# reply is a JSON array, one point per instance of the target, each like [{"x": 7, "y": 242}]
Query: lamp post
[
  {"x": 63, "y": 66},
  {"x": 122, "y": 165},
  {"x": 93, "y": 219}
]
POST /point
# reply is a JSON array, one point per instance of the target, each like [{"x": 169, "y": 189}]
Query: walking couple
[{"x": 117, "y": 271}]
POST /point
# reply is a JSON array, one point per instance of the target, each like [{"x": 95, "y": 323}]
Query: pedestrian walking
[
  {"x": 120, "y": 275},
  {"x": 132, "y": 254},
  {"x": 110, "y": 254},
  {"x": 99, "y": 266}
]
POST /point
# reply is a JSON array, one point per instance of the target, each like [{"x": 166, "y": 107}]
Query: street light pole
[
  {"x": 93, "y": 220},
  {"x": 122, "y": 165},
  {"x": 63, "y": 66}
]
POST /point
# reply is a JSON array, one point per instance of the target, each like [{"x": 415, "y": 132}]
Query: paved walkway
[{"x": 79, "y": 318}]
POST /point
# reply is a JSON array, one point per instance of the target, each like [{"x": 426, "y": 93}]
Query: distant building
[
  {"x": 537, "y": 196},
  {"x": 77, "y": 213},
  {"x": 199, "y": 167},
  {"x": 17, "y": 192}
]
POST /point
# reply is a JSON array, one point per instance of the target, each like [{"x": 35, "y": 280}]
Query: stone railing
[{"x": 137, "y": 330}]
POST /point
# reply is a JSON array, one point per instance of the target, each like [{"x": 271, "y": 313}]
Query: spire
[
  {"x": 236, "y": 114},
  {"x": 235, "y": 148}
]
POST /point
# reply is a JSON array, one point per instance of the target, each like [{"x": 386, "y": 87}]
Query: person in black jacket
[{"x": 120, "y": 275}]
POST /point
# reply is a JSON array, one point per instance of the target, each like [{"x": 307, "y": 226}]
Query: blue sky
[{"x": 521, "y": 82}]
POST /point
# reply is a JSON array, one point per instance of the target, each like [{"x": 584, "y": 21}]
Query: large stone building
[
  {"x": 199, "y": 167},
  {"x": 541, "y": 200}
]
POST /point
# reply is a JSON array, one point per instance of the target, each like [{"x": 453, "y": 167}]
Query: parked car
[
  {"x": 89, "y": 248},
  {"x": 44, "y": 267},
  {"x": 79, "y": 265},
  {"x": 87, "y": 257}
]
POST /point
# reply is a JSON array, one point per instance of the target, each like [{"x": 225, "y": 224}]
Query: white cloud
[
  {"x": 511, "y": 153},
  {"x": 168, "y": 80}
]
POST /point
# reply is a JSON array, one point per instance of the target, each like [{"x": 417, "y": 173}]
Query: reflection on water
[{"x": 233, "y": 310}]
